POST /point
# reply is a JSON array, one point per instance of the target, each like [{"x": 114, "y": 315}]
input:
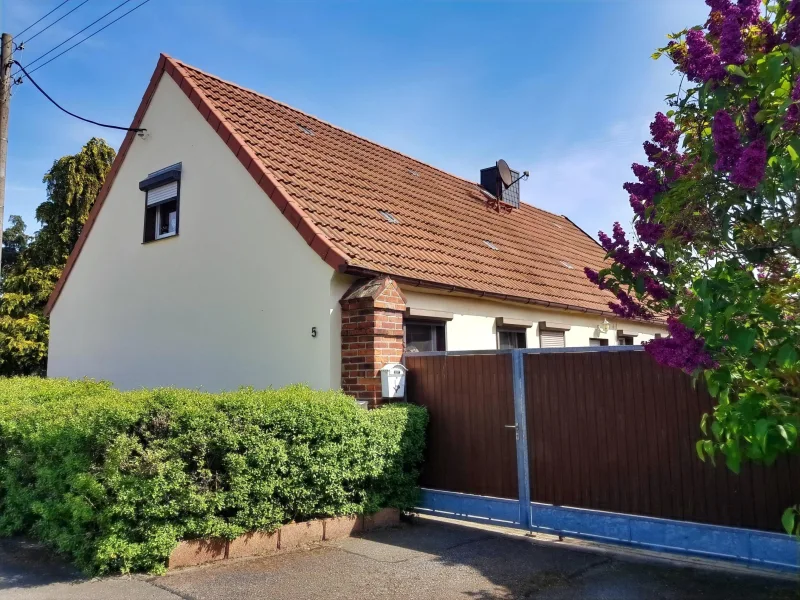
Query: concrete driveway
[{"x": 427, "y": 559}]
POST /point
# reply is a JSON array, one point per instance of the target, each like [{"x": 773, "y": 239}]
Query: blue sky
[{"x": 562, "y": 88}]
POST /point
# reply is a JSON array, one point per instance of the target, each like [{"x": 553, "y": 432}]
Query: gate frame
[{"x": 749, "y": 546}]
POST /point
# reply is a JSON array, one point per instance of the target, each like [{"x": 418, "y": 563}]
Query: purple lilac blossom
[
  {"x": 793, "y": 114},
  {"x": 657, "y": 291},
  {"x": 771, "y": 39},
  {"x": 750, "y": 167},
  {"x": 594, "y": 277},
  {"x": 620, "y": 241},
  {"x": 749, "y": 11},
  {"x": 605, "y": 241},
  {"x": 628, "y": 308},
  {"x": 727, "y": 142},
  {"x": 731, "y": 46},
  {"x": 703, "y": 64},
  {"x": 637, "y": 205},
  {"x": 792, "y": 31},
  {"x": 753, "y": 128},
  {"x": 649, "y": 233},
  {"x": 663, "y": 131},
  {"x": 683, "y": 349}
]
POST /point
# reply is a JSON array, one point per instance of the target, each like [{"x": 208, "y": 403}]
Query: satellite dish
[{"x": 505, "y": 173}]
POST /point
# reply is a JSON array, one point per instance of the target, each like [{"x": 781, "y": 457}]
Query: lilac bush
[{"x": 717, "y": 229}]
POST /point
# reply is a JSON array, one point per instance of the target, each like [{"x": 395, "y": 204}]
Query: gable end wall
[{"x": 231, "y": 301}]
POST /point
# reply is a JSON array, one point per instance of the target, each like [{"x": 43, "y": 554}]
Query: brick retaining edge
[{"x": 292, "y": 536}]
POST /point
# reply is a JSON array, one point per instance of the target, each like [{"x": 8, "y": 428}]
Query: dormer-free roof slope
[{"x": 331, "y": 185}]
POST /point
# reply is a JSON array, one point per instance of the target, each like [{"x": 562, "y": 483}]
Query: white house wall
[
  {"x": 473, "y": 326},
  {"x": 229, "y": 302}
]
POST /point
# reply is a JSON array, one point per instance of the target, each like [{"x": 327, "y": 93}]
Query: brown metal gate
[
  {"x": 616, "y": 431},
  {"x": 470, "y": 400},
  {"x": 611, "y": 430}
]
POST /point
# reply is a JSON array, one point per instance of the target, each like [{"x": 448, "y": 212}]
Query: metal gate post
[{"x": 523, "y": 473}]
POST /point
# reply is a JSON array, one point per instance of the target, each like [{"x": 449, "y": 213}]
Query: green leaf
[
  {"x": 736, "y": 70},
  {"x": 762, "y": 429},
  {"x": 716, "y": 429},
  {"x": 796, "y": 237},
  {"x": 699, "y": 447},
  {"x": 743, "y": 339},
  {"x": 759, "y": 359},
  {"x": 787, "y": 355},
  {"x": 793, "y": 154},
  {"x": 788, "y": 520},
  {"x": 734, "y": 462}
]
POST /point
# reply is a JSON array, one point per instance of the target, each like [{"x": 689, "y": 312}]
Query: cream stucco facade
[
  {"x": 473, "y": 326},
  {"x": 230, "y": 301},
  {"x": 237, "y": 298}
]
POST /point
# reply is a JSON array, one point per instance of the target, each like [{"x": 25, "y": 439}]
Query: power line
[
  {"x": 68, "y": 13},
  {"x": 42, "y": 19},
  {"x": 46, "y": 95},
  {"x": 72, "y": 37}
]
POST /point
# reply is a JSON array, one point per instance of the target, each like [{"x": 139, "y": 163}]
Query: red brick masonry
[
  {"x": 293, "y": 536},
  {"x": 372, "y": 335}
]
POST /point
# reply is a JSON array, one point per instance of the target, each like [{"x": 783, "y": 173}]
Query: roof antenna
[{"x": 505, "y": 179}]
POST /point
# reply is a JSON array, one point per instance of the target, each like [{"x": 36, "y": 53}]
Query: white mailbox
[{"x": 393, "y": 380}]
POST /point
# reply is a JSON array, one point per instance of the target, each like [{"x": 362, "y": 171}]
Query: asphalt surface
[{"x": 427, "y": 559}]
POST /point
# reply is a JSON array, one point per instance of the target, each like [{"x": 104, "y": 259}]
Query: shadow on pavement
[
  {"x": 520, "y": 567},
  {"x": 27, "y": 564}
]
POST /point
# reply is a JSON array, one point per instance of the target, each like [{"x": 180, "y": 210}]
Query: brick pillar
[{"x": 372, "y": 335}]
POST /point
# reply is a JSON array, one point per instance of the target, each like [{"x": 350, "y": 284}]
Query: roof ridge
[{"x": 183, "y": 64}]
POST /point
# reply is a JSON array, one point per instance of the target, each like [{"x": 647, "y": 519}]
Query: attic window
[
  {"x": 389, "y": 217},
  {"x": 490, "y": 245},
  {"x": 305, "y": 129},
  {"x": 566, "y": 264},
  {"x": 413, "y": 172},
  {"x": 161, "y": 203}
]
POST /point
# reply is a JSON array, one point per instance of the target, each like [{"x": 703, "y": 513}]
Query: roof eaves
[{"x": 363, "y": 272}]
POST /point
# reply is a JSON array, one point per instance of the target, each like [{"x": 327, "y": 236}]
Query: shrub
[{"x": 115, "y": 479}]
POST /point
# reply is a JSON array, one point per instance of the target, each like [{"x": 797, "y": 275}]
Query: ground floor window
[
  {"x": 625, "y": 340},
  {"x": 551, "y": 339},
  {"x": 424, "y": 336},
  {"x": 511, "y": 339},
  {"x": 598, "y": 342}
]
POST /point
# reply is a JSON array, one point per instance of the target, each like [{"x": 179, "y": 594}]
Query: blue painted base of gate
[{"x": 745, "y": 546}]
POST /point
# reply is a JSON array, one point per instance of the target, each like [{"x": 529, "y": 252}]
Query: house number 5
[{"x": 313, "y": 332}]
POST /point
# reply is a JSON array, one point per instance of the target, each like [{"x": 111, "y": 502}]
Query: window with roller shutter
[
  {"x": 162, "y": 203},
  {"x": 551, "y": 339}
]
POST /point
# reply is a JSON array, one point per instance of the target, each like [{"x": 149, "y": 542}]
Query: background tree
[
  {"x": 15, "y": 241},
  {"x": 32, "y": 264},
  {"x": 718, "y": 229}
]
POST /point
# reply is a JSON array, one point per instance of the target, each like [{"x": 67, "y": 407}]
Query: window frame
[
  {"x": 432, "y": 324},
  {"x": 602, "y": 342},
  {"x": 513, "y": 330},
  {"x": 549, "y": 331},
  {"x": 154, "y": 181},
  {"x": 161, "y": 236},
  {"x": 620, "y": 339}
]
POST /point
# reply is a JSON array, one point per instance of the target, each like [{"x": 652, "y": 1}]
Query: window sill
[{"x": 163, "y": 237}]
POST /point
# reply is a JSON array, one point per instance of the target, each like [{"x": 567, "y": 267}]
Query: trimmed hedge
[{"x": 115, "y": 479}]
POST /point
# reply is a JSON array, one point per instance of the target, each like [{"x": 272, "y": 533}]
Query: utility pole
[{"x": 5, "y": 101}]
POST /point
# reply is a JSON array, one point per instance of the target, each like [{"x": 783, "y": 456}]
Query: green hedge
[{"x": 114, "y": 479}]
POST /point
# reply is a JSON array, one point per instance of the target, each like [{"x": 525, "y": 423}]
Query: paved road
[{"x": 425, "y": 560}]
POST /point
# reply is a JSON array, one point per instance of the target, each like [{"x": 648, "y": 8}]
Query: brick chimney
[{"x": 372, "y": 335}]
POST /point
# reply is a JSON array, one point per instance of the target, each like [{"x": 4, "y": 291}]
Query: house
[{"x": 239, "y": 241}]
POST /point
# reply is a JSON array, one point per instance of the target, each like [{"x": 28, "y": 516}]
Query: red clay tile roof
[{"x": 331, "y": 184}]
